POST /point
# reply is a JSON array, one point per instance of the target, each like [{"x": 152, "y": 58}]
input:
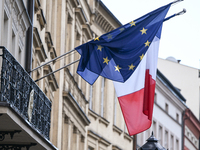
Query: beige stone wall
[
  {"x": 70, "y": 24},
  {"x": 83, "y": 116}
]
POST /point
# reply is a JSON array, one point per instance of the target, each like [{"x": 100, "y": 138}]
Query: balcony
[{"x": 25, "y": 111}]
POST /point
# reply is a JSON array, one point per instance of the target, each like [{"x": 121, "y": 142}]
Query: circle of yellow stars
[{"x": 109, "y": 36}]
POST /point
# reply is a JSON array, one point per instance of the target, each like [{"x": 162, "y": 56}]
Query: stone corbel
[
  {"x": 67, "y": 119},
  {"x": 75, "y": 130},
  {"x": 82, "y": 138},
  {"x": 41, "y": 18},
  {"x": 37, "y": 6},
  {"x": 48, "y": 40}
]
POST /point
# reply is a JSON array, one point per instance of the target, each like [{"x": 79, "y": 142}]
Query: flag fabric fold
[
  {"x": 128, "y": 56},
  {"x": 136, "y": 95},
  {"x": 116, "y": 55}
]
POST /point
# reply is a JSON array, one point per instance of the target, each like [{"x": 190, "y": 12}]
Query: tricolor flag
[{"x": 128, "y": 56}]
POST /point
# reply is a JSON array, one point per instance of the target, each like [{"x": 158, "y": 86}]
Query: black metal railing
[{"x": 15, "y": 88}]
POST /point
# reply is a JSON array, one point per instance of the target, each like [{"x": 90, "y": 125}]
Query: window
[
  {"x": 192, "y": 139},
  {"x": 90, "y": 148},
  {"x": 177, "y": 117},
  {"x": 188, "y": 134},
  {"x": 115, "y": 110},
  {"x": 160, "y": 134},
  {"x": 5, "y": 29},
  {"x": 166, "y": 107},
  {"x": 147, "y": 133},
  {"x": 155, "y": 98},
  {"x": 20, "y": 55},
  {"x": 177, "y": 144},
  {"x": 195, "y": 143},
  {"x": 13, "y": 44},
  {"x": 125, "y": 128},
  {"x": 140, "y": 139},
  {"x": 172, "y": 142},
  {"x": 154, "y": 129},
  {"x": 166, "y": 139},
  {"x": 102, "y": 97},
  {"x": 90, "y": 98},
  {"x": 199, "y": 73}
]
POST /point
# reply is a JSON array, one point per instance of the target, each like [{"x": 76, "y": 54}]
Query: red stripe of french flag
[{"x": 136, "y": 95}]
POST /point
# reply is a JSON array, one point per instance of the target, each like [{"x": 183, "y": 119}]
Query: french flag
[
  {"x": 128, "y": 56},
  {"x": 136, "y": 95}
]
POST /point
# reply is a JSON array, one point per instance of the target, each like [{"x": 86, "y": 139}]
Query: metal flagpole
[
  {"x": 52, "y": 60},
  {"x": 57, "y": 70},
  {"x": 177, "y": 14},
  {"x": 177, "y": 1}
]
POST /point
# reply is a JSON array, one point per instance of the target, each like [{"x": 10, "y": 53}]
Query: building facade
[
  {"x": 184, "y": 78},
  {"x": 169, "y": 106},
  {"x": 191, "y": 131},
  {"x": 25, "y": 111},
  {"x": 81, "y": 116}
]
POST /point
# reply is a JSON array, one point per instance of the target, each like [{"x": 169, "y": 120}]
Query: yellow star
[
  {"x": 131, "y": 67},
  {"x": 106, "y": 60},
  {"x": 96, "y": 38},
  {"x": 109, "y": 36},
  {"x": 147, "y": 43},
  {"x": 132, "y": 23},
  {"x": 143, "y": 31},
  {"x": 122, "y": 29},
  {"x": 141, "y": 57},
  {"x": 117, "y": 68},
  {"x": 99, "y": 47}
]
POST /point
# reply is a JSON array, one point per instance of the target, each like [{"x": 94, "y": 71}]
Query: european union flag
[{"x": 116, "y": 55}]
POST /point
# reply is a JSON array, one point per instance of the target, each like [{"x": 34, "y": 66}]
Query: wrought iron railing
[{"x": 16, "y": 86}]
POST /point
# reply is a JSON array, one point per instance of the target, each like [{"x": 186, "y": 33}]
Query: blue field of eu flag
[{"x": 116, "y": 55}]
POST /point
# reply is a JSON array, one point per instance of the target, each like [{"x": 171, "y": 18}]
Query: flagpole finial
[
  {"x": 182, "y": 12},
  {"x": 177, "y": 1}
]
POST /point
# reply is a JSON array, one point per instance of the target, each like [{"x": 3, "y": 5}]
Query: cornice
[
  {"x": 76, "y": 106},
  {"x": 99, "y": 138}
]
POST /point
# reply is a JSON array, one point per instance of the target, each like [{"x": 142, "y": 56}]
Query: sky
[{"x": 180, "y": 36}]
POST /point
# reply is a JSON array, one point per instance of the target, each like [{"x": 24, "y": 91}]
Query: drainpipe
[{"x": 29, "y": 36}]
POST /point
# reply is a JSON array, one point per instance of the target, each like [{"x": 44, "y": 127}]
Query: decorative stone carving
[
  {"x": 30, "y": 105},
  {"x": 7, "y": 8},
  {"x": 75, "y": 130}
]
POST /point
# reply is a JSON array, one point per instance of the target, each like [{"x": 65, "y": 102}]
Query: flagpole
[
  {"x": 52, "y": 60},
  {"x": 57, "y": 70},
  {"x": 177, "y": 14},
  {"x": 181, "y": 12},
  {"x": 177, "y": 1}
]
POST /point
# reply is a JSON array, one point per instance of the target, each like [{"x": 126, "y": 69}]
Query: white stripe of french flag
[{"x": 136, "y": 95}]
